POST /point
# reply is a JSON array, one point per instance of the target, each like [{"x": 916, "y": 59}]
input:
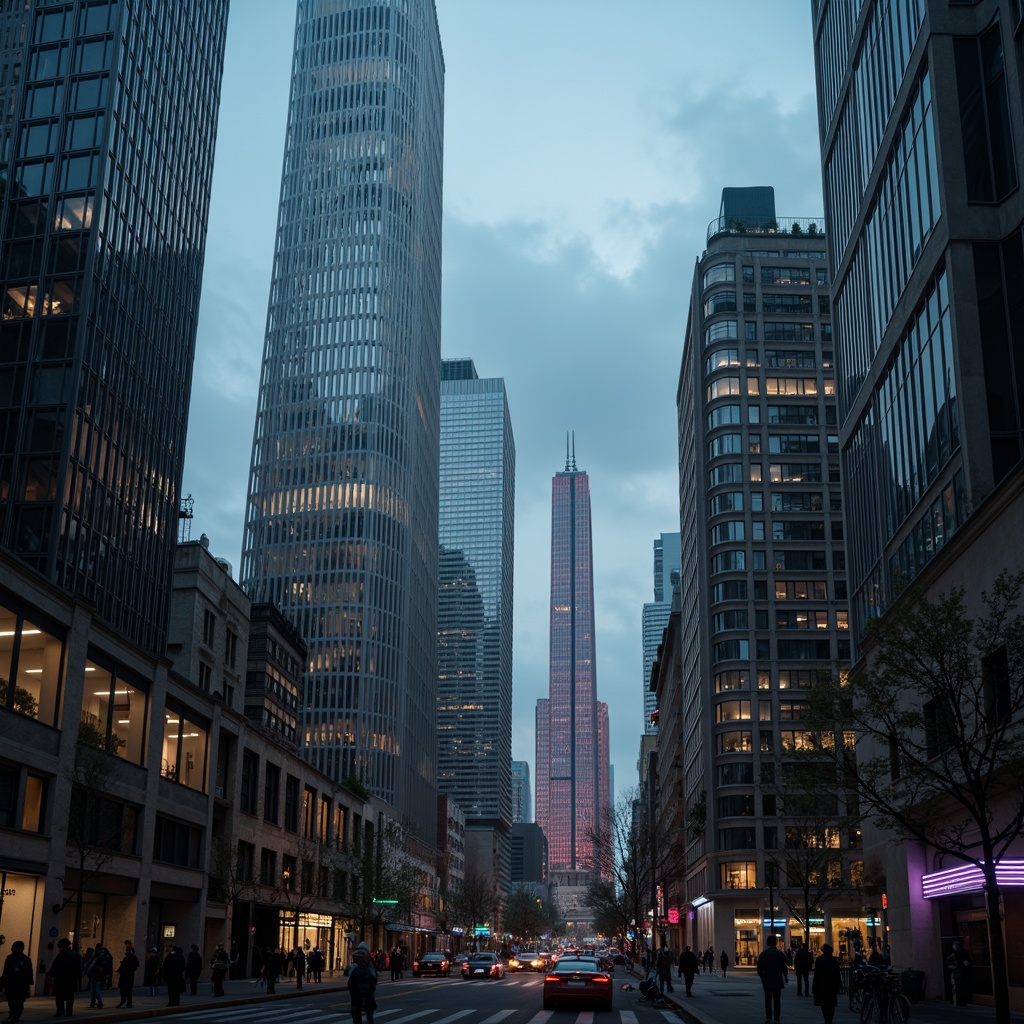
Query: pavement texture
[{"x": 735, "y": 999}]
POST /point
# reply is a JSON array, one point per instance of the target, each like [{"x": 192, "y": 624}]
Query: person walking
[
  {"x": 219, "y": 966},
  {"x": 663, "y": 968},
  {"x": 16, "y": 980},
  {"x": 689, "y": 965},
  {"x": 827, "y": 983},
  {"x": 66, "y": 973},
  {"x": 773, "y": 971},
  {"x": 98, "y": 969},
  {"x": 315, "y": 965},
  {"x": 151, "y": 970},
  {"x": 709, "y": 960},
  {"x": 803, "y": 961},
  {"x": 126, "y": 976},
  {"x": 174, "y": 975},
  {"x": 272, "y": 968},
  {"x": 362, "y": 985},
  {"x": 193, "y": 968},
  {"x": 298, "y": 959},
  {"x": 723, "y": 962}
]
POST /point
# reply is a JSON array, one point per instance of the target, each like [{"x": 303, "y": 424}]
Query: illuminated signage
[
  {"x": 968, "y": 878},
  {"x": 673, "y": 915}
]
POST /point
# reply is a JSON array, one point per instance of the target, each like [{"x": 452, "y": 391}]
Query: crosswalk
[{"x": 277, "y": 1013}]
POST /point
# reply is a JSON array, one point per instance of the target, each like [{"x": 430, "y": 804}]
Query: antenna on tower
[{"x": 570, "y": 460}]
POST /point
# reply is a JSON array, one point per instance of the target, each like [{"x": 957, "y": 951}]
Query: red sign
[
  {"x": 885, "y": 901},
  {"x": 673, "y": 915}
]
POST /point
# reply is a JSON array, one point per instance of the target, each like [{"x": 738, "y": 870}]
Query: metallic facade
[
  {"x": 341, "y": 527},
  {"x": 474, "y": 613},
  {"x": 573, "y": 799},
  {"x": 522, "y": 792},
  {"x": 107, "y": 140},
  {"x": 655, "y": 616}
]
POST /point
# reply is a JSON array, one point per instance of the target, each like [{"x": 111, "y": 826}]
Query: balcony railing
[{"x": 799, "y": 226}]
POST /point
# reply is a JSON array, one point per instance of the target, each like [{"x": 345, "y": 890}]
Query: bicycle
[
  {"x": 884, "y": 1001},
  {"x": 855, "y": 989}
]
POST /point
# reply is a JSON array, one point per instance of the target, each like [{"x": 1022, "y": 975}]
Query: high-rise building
[
  {"x": 522, "y": 794},
  {"x": 341, "y": 527},
  {"x": 572, "y": 794},
  {"x": 474, "y": 609},
  {"x": 106, "y": 161},
  {"x": 656, "y": 614},
  {"x": 762, "y": 591},
  {"x": 922, "y": 148}
]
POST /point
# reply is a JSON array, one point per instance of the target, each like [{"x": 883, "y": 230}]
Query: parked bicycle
[{"x": 883, "y": 1001}]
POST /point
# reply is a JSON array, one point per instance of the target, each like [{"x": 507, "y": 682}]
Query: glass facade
[
  {"x": 341, "y": 527},
  {"x": 110, "y": 113},
  {"x": 474, "y": 614},
  {"x": 572, "y": 747}
]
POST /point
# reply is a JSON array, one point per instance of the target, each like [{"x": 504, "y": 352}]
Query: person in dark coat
[
  {"x": 298, "y": 959},
  {"x": 803, "y": 961},
  {"x": 689, "y": 965},
  {"x": 219, "y": 967},
  {"x": 151, "y": 970},
  {"x": 16, "y": 980},
  {"x": 827, "y": 983},
  {"x": 773, "y": 971},
  {"x": 663, "y": 968},
  {"x": 66, "y": 972},
  {"x": 362, "y": 984},
  {"x": 126, "y": 976},
  {"x": 193, "y": 968},
  {"x": 723, "y": 962},
  {"x": 174, "y": 975},
  {"x": 272, "y": 968}
]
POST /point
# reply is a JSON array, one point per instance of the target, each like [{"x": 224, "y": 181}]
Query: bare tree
[
  {"x": 936, "y": 713},
  {"x": 476, "y": 902}
]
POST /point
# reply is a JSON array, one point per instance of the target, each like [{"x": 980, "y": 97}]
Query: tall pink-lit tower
[{"x": 573, "y": 800}]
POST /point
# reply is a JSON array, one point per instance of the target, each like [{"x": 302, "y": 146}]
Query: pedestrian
[
  {"x": 663, "y": 968},
  {"x": 151, "y": 970},
  {"x": 827, "y": 983},
  {"x": 66, "y": 972},
  {"x": 219, "y": 966},
  {"x": 803, "y": 961},
  {"x": 126, "y": 976},
  {"x": 689, "y": 965},
  {"x": 99, "y": 966},
  {"x": 298, "y": 958},
  {"x": 272, "y": 968},
  {"x": 16, "y": 980},
  {"x": 773, "y": 971},
  {"x": 174, "y": 975},
  {"x": 193, "y": 968},
  {"x": 362, "y": 985},
  {"x": 958, "y": 963},
  {"x": 723, "y": 961},
  {"x": 315, "y": 964},
  {"x": 709, "y": 959}
]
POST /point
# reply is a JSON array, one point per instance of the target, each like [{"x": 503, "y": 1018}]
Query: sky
[{"x": 586, "y": 146}]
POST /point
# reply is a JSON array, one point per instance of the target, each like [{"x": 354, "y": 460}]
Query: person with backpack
[
  {"x": 126, "y": 976},
  {"x": 362, "y": 985},
  {"x": 16, "y": 980},
  {"x": 98, "y": 969}
]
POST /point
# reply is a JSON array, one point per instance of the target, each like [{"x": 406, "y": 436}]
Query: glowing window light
[{"x": 968, "y": 878}]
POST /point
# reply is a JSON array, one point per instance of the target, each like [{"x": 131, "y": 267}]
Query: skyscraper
[
  {"x": 474, "y": 613},
  {"x": 762, "y": 592},
  {"x": 656, "y": 614},
  {"x": 104, "y": 194},
  {"x": 572, "y": 795},
  {"x": 341, "y": 528},
  {"x": 522, "y": 792}
]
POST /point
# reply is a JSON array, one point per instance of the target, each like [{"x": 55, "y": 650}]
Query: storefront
[{"x": 21, "y": 909}]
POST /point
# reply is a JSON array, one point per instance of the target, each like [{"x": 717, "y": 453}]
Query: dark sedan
[
  {"x": 483, "y": 965},
  {"x": 574, "y": 980},
  {"x": 431, "y": 963}
]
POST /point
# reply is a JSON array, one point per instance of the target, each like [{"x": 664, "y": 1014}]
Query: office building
[
  {"x": 762, "y": 595},
  {"x": 107, "y": 160},
  {"x": 341, "y": 526},
  {"x": 655, "y": 616},
  {"x": 922, "y": 149},
  {"x": 474, "y": 607},
  {"x": 522, "y": 793},
  {"x": 572, "y": 794}
]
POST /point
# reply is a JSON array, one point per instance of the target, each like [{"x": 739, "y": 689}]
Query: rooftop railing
[{"x": 799, "y": 226}]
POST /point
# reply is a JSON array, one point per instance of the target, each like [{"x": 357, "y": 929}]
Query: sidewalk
[
  {"x": 739, "y": 997},
  {"x": 41, "y": 1008}
]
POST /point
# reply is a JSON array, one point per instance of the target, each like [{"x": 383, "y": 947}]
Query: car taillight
[
  {"x": 551, "y": 977},
  {"x": 602, "y": 979}
]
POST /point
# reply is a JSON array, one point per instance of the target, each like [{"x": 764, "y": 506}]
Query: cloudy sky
[{"x": 586, "y": 146}]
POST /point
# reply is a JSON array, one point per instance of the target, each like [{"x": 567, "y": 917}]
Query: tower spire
[{"x": 570, "y": 459}]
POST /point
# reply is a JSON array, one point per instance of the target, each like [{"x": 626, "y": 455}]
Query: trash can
[{"x": 913, "y": 985}]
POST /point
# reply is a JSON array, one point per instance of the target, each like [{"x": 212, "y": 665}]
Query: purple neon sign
[{"x": 968, "y": 878}]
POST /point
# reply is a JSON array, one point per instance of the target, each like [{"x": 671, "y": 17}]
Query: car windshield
[
  {"x": 432, "y": 956},
  {"x": 566, "y": 966}
]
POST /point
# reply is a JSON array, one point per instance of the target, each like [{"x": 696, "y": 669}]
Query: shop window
[
  {"x": 739, "y": 875},
  {"x": 183, "y": 757},
  {"x": 114, "y": 708},
  {"x": 33, "y": 656}
]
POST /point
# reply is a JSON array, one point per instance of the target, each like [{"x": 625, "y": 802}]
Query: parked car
[
  {"x": 483, "y": 965},
  {"x": 431, "y": 963},
  {"x": 577, "y": 980}
]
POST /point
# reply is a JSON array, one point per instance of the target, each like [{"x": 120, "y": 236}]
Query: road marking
[
  {"x": 628, "y": 1017},
  {"x": 498, "y": 1017},
  {"x": 539, "y": 1018},
  {"x": 409, "y": 1016},
  {"x": 454, "y": 1016}
]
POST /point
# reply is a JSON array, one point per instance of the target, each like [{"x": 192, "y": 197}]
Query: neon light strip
[{"x": 968, "y": 878}]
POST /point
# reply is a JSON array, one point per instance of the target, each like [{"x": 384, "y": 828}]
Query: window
[
  {"x": 324, "y": 820},
  {"x": 731, "y": 529},
  {"x": 114, "y": 709},
  {"x": 995, "y": 677},
  {"x": 740, "y": 773},
  {"x": 939, "y": 728},
  {"x": 737, "y": 839},
  {"x": 22, "y": 799},
  {"x": 183, "y": 757},
  {"x": 725, "y": 444},
  {"x": 102, "y": 822},
  {"x": 291, "y": 803},
  {"x": 731, "y": 501},
  {"x": 309, "y": 806},
  {"x": 730, "y": 590},
  {"x": 175, "y": 842},
  {"x": 738, "y": 875},
  {"x": 738, "y": 741},
  {"x": 722, "y": 387},
  {"x": 246, "y": 861},
  {"x": 231, "y": 648},
  {"x": 792, "y": 710},
  {"x": 720, "y": 358},
  {"x": 720, "y": 302},
  {"x": 732, "y": 711},
  {"x": 740, "y": 805},
  {"x": 723, "y": 330},
  {"x": 32, "y": 654},
  {"x": 719, "y": 274},
  {"x": 268, "y": 867},
  {"x": 209, "y": 627},
  {"x": 250, "y": 778},
  {"x": 272, "y": 794},
  {"x": 735, "y": 679}
]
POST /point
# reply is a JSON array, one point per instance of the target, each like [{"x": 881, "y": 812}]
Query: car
[
  {"x": 431, "y": 963},
  {"x": 483, "y": 965},
  {"x": 577, "y": 980}
]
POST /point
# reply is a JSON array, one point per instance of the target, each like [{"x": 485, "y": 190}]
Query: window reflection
[
  {"x": 183, "y": 757},
  {"x": 34, "y": 657},
  {"x": 113, "y": 713}
]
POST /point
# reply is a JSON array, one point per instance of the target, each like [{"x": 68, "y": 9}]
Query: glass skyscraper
[
  {"x": 572, "y": 795},
  {"x": 474, "y": 614},
  {"x": 341, "y": 527},
  {"x": 106, "y": 156},
  {"x": 656, "y": 614}
]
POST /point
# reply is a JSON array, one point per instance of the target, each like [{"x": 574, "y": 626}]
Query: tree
[
  {"x": 939, "y": 747},
  {"x": 386, "y": 891},
  {"x": 525, "y": 914},
  {"x": 475, "y": 902}
]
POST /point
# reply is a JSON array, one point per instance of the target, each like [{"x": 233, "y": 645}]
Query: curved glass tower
[{"x": 341, "y": 528}]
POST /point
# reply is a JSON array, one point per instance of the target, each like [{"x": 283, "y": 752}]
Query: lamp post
[{"x": 769, "y": 872}]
